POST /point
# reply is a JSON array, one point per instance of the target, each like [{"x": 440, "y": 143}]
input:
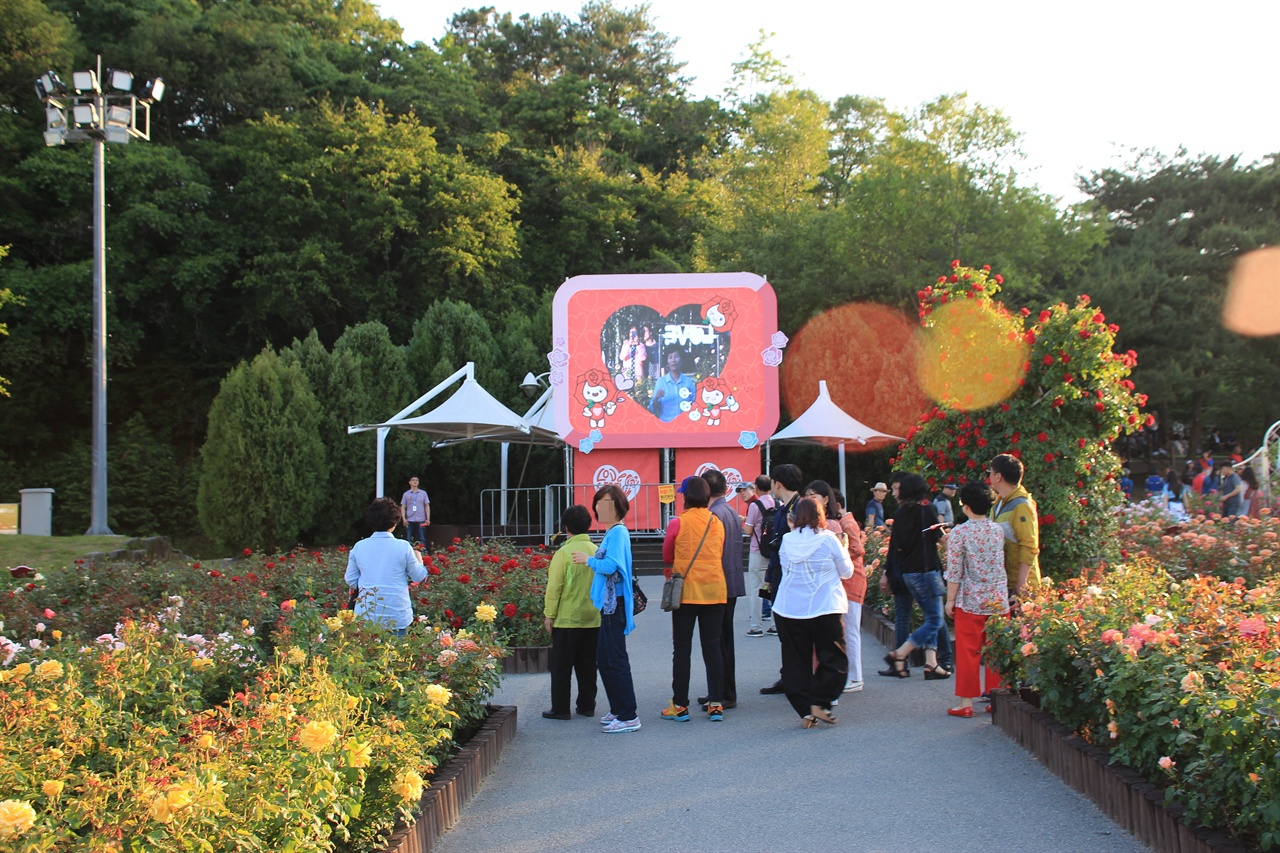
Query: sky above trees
[{"x": 1087, "y": 82}]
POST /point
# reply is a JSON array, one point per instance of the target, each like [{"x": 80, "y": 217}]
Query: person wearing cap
[
  {"x": 942, "y": 503},
  {"x": 874, "y": 513},
  {"x": 693, "y": 547}
]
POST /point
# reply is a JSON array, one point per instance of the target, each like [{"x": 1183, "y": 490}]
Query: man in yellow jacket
[
  {"x": 572, "y": 620},
  {"x": 1016, "y": 513}
]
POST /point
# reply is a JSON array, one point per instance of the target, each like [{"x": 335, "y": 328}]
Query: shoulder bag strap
[{"x": 698, "y": 550}]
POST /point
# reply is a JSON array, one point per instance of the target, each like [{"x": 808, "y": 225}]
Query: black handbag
[{"x": 639, "y": 601}]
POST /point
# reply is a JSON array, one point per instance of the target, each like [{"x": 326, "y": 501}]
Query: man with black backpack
[{"x": 787, "y": 482}]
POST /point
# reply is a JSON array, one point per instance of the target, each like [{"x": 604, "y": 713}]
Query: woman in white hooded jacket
[{"x": 809, "y": 610}]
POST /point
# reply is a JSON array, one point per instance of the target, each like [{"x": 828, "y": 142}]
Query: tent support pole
[
  {"x": 844, "y": 486},
  {"x": 382, "y": 461},
  {"x": 506, "y": 455}
]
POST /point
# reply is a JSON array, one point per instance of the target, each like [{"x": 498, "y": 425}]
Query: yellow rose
[
  {"x": 57, "y": 635},
  {"x": 201, "y": 663},
  {"x": 52, "y": 788},
  {"x": 16, "y": 817},
  {"x": 333, "y": 623},
  {"x": 53, "y": 752},
  {"x": 50, "y": 670},
  {"x": 205, "y": 741},
  {"x": 438, "y": 694},
  {"x": 408, "y": 785},
  {"x": 160, "y": 809},
  {"x": 352, "y": 703},
  {"x": 347, "y": 616},
  {"x": 486, "y": 612},
  {"x": 359, "y": 754},
  {"x": 296, "y": 656},
  {"x": 22, "y": 670},
  {"x": 317, "y": 735}
]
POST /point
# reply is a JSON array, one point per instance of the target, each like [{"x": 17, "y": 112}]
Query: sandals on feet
[
  {"x": 935, "y": 673},
  {"x": 808, "y": 721},
  {"x": 899, "y": 666},
  {"x": 822, "y": 715}
]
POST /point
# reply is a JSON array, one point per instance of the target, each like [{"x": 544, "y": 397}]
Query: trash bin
[{"x": 37, "y": 512}]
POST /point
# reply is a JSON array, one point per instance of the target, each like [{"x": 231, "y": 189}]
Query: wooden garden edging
[
  {"x": 1122, "y": 793},
  {"x": 456, "y": 783},
  {"x": 525, "y": 659}
]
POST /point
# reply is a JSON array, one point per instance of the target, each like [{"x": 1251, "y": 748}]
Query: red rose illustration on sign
[
  {"x": 720, "y": 314},
  {"x": 595, "y": 387},
  {"x": 716, "y": 397}
]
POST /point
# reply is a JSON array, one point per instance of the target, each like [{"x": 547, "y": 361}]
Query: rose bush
[
  {"x": 1178, "y": 676},
  {"x": 1203, "y": 545},
  {"x": 322, "y": 738},
  {"x": 468, "y": 573},
  {"x": 1069, "y": 398}
]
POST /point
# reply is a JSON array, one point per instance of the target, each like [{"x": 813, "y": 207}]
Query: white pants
[
  {"x": 757, "y": 565},
  {"x": 853, "y": 640}
]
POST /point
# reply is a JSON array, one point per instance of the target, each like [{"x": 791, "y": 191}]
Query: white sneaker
[
  {"x": 853, "y": 687},
  {"x": 607, "y": 719},
  {"x": 620, "y": 726}
]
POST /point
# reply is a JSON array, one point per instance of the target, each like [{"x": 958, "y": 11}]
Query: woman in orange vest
[{"x": 692, "y": 548}]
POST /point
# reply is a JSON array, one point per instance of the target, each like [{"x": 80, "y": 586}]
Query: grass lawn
[{"x": 47, "y": 552}]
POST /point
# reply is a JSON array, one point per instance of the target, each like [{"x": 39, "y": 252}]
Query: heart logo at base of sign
[
  {"x": 636, "y": 343},
  {"x": 627, "y": 480}
]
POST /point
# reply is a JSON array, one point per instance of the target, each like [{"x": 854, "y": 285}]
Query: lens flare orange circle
[{"x": 866, "y": 353}]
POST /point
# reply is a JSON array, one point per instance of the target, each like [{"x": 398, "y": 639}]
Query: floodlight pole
[{"x": 98, "y": 525}]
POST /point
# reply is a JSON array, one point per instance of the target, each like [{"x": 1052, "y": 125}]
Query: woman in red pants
[{"x": 977, "y": 588}]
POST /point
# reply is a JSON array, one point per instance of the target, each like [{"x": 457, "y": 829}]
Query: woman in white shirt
[
  {"x": 381, "y": 568},
  {"x": 809, "y": 610}
]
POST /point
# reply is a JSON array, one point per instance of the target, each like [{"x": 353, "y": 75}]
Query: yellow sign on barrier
[{"x": 667, "y": 493}]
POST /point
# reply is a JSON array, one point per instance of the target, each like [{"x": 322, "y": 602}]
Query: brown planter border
[
  {"x": 1121, "y": 792},
  {"x": 456, "y": 783},
  {"x": 526, "y": 659}
]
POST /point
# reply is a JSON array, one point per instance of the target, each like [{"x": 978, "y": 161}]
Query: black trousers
[
  {"x": 801, "y": 640},
  {"x": 573, "y": 650},
  {"x": 726, "y": 652},
  {"x": 709, "y": 618}
]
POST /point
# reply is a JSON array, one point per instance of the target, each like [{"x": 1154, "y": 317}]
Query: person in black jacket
[{"x": 914, "y": 549}]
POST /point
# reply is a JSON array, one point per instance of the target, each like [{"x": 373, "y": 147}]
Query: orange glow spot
[
  {"x": 1253, "y": 297},
  {"x": 966, "y": 358},
  {"x": 865, "y": 353}
]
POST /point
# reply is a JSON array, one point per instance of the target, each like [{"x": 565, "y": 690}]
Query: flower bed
[
  {"x": 308, "y": 731},
  {"x": 85, "y": 602},
  {"x": 1226, "y": 548},
  {"x": 1178, "y": 677}
]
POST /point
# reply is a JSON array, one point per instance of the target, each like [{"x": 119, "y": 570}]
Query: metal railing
[{"x": 533, "y": 514}]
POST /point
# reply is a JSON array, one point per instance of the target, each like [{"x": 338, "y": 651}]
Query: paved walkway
[{"x": 896, "y": 774}]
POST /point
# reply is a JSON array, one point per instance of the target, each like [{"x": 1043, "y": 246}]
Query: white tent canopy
[
  {"x": 470, "y": 414},
  {"x": 826, "y": 423}
]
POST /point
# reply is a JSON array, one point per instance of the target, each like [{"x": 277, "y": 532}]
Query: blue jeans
[
  {"x": 902, "y": 627},
  {"x": 613, "y": 663},
  {"x": 416, "y": 533},
  {"x": 928, "y": 590}
]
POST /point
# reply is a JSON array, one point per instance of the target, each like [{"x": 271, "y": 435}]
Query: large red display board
[{"x": 677, "y": 360}]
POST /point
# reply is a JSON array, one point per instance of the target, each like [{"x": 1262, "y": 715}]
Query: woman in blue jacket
[{"x": 611, "y": 592}]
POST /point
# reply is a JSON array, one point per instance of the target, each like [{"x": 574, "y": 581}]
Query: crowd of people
[
  {"x": 805, "y": 574},
  {"x": 1229, "y": 488}
]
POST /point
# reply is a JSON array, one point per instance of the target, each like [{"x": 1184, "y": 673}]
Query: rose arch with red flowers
[{"x": 1066, "y": 397}]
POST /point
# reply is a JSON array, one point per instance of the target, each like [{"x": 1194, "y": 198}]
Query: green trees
[
  {"x": 1176, "y": 226},
  {"x": 263, "y": 463}
]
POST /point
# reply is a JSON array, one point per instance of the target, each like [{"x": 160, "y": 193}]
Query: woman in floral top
[{"x": 977, "y": 588}]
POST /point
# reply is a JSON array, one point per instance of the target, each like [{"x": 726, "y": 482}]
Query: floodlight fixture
[
  {"x": 55, "y": 118},
  {"x": 85, "y": 81},
  {"x": 49, "y": 85},
  {"x": 152, "y": 90},
  {"x": 119, "y": 116},
  {"x": 55, "y": 137},
  {"x": 120, "y": 80},
  {"x": 115, "y": 134},
  {"x": 85, "y": 115}
]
